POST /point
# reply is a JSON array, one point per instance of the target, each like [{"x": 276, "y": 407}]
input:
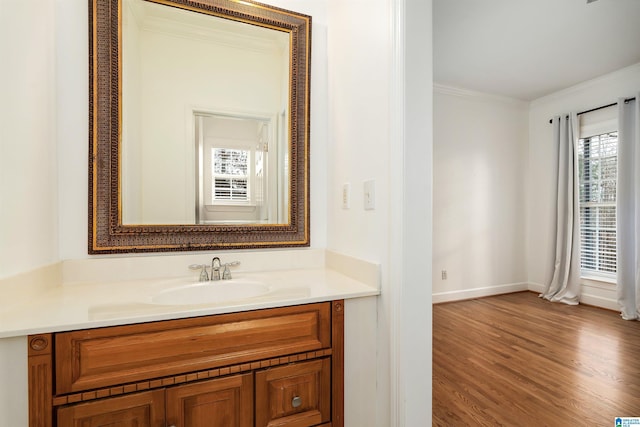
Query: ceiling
[{"x": 526, "y": 49}]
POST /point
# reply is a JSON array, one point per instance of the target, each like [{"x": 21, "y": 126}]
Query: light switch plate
[
  {"x": 346, "y": 195},
  {"x": 370, "y": 195}
]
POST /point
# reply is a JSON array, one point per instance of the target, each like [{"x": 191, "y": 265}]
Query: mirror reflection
[
  {"x": 242, "y": 170},
  {"x": 204, "y": 126}
]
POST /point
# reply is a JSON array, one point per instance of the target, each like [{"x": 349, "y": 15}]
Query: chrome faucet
[
  {"x": 215, "y": 268},
  {"x": 216, "y": 265}
]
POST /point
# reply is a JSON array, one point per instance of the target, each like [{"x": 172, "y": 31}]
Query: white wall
[
  {"x": 359, "y": 128},
  {"x": 541, "y": 188},
  {"x": 411, "y": 224},
  {"x": 28, "y": 183},
  {"x": 479, "y": 199}
]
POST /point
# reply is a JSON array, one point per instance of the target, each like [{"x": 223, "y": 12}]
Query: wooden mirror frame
[{"x": 107, "y": 234}]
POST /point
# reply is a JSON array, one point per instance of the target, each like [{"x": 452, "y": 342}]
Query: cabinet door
[
  {"x": 134, "y": 410},
  {"x": 223, "y": 402},
  {"x": 296, "y": 395}
]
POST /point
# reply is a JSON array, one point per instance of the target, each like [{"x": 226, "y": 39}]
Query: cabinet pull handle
[{"x": 296, "y": 401}]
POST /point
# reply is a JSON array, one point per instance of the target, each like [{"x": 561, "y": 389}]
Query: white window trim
[{"x": 595, "y": 277}]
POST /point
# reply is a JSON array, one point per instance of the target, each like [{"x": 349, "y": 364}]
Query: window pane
[
  {"x": 230, "y": 174},
  {"x": 597, "y": 168},
  {"x": 609, "y": 168},
  {"x": 230, "y": 161}
]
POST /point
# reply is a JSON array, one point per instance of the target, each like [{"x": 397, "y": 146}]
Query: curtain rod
[{"x": 600, "y": 108}]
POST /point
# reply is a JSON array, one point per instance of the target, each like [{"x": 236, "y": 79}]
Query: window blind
[
  {"x": 598, "y": 168},
  {"x": 601, "y": 121}
]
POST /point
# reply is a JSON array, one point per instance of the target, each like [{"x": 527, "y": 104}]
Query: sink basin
[{"x": 210, "y": 292}]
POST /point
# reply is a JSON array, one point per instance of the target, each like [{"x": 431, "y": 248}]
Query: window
[
  {"x": 598, "y": 170},
  {"x": 230, "y": 175}
]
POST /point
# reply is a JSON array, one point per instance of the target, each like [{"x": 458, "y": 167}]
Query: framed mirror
[{"x": 199, "y": 126}]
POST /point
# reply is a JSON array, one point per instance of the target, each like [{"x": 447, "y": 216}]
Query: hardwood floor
[{"x": 518, "y": 360}]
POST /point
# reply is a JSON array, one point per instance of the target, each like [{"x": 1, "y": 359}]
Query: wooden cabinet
[{"x": 273, "y": 367}]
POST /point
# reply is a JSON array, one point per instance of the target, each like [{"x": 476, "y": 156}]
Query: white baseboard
[
  {"x": 601, "y": 302},
  {"x": 537, "y": 287},
  {"x": 597, "y": 296},
  {"x": 603, "y": 297},
  {"x": 478, "y": 292}
]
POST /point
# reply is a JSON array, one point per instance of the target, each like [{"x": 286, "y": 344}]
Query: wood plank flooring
[{"x": 519, "y": 360}]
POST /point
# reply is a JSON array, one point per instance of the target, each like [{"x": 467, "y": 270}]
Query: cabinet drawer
[
  {"x": 95, "y": 358},
  {"x": 138, "y": 409},
  {"x": 296, "y": 395}
]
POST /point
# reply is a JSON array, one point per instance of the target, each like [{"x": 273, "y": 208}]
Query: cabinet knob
[{"x": 296, "y": 401}]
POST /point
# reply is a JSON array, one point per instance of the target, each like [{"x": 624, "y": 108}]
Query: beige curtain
[
  {"x": 565, "y": 283},
  {"x": 628, "y": 209}
]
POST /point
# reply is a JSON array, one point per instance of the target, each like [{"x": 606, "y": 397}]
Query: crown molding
[
  {"x": 472, "y": 94},
  {"x": 174, "y": 22},
  {"x": 620, "y": 74}
]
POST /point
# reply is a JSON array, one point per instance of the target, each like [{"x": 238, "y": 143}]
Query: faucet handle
[
  {"x": 226, "y": 273},
  {"x": 203, "y": 272}
]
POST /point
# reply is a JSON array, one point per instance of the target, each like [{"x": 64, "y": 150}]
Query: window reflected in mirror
[{"x": 241, "y": 165}]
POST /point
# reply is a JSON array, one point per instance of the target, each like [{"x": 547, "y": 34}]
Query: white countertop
[{"x": 90, "y": 305}]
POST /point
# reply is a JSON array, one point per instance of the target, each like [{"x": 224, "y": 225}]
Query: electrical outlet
[{"x": 444, "y": 274}]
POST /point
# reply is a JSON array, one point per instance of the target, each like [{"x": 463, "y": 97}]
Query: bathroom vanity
[
  {"x": 85, "y": 352},
  {"x": 269, "y": 367},
  {"x": 83, "y": 337}
]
